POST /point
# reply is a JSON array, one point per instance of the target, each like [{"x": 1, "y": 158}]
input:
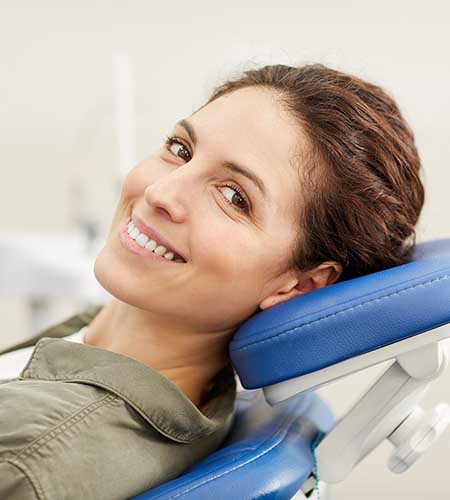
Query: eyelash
[{"x": 169, "y": 140}]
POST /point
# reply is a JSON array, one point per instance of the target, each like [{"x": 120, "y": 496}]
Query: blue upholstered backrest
[{"x": 266, "y": 455}]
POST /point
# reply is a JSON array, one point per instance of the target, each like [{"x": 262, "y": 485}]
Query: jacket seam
[
  {"x": 290, "y": 331},
  {"x": 37, "y": 487},
  {"x": 66, "y": 424},
  {"x": 155, "y": 420}
]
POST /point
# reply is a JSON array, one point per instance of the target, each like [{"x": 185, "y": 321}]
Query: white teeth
[
  {"x": 151, "y": 245},
  {"x": 141, "y": 240},
  {"x": 144, "y": 241},
  {"x": 160, "y": 250},
  {"x": 133, "y": 233}
]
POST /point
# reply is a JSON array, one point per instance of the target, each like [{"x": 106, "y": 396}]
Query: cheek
[{"x": 228, "y": 254}]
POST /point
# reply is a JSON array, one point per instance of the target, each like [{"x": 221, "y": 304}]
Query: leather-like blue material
[
  {"x": 340, "y": 321},
  {"x": 266, "y": 455},
  {"x": 268, "y": 452}
]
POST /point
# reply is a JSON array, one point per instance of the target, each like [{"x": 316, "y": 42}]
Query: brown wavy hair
[{"x": 361, "y": 190}]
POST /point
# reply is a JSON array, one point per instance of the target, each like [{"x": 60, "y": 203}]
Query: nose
[{"x": 171, "y": 193}]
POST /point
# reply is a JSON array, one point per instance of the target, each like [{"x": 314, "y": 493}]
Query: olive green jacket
[{"x": 82, "y": 422}]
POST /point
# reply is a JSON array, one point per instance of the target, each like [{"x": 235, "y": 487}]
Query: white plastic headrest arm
[{"x": 385, "y": 408}]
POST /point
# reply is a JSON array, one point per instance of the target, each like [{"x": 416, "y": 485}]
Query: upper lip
[{"x": 154, "y": 235}]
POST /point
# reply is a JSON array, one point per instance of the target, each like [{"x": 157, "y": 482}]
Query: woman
[{"x": 287, "y": 180}]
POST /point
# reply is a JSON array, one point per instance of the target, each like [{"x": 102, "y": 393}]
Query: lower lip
[{"x": 132, "y": 246}]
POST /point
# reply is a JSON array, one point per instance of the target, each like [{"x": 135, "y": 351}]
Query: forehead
[{"x": 250, "y": 127}]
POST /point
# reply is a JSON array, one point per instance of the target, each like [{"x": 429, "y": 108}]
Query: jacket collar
[{"x": 158, "y": 400}]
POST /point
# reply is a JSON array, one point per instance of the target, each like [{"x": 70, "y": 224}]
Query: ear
[{"x": 323, "y": 275}]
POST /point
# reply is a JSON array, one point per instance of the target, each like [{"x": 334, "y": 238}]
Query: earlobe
[{"x": 279, "y": 298}]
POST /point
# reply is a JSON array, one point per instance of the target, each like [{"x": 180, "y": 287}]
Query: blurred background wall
[{"x": 63, "y": 66}]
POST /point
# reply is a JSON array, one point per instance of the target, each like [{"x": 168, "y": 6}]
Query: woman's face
[{"x": 234, "y": 245}]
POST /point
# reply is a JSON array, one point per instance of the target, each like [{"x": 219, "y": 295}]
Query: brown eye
[
  {"x": 243, "y": 204},
  {"x": 185, "y": 154}
]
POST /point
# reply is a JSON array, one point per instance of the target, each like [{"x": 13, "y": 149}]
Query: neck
[{"x": 188, "y": 359}]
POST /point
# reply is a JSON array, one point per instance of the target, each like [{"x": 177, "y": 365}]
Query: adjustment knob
[{"x": 416, "y": 434}]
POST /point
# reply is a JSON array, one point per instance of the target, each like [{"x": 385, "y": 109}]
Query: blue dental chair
[{"x": 282, "y": 354}]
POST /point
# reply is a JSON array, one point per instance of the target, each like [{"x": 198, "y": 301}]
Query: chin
[
  {"x": 109, "y": 274},
  {"x": 115, "y": 279}
]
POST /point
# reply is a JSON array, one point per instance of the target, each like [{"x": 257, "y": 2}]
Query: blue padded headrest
[{"x": 346, "y": 319}]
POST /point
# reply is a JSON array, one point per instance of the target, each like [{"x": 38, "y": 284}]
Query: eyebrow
[{"x": 228, "y": 165}]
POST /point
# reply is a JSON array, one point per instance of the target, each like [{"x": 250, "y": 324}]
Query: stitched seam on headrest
[
  {"x": 343, "y": 311},
  {"x": 333, "y": 306}
]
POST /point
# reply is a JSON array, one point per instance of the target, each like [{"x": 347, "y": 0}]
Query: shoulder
[
  {"x": 37, "y": 415},
  {"x": 60, "y": 329}
]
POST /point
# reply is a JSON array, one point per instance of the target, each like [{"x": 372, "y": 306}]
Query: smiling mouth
[
  {"x": 151, "y": 239},
  {"x": 141, "y": 244}
]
